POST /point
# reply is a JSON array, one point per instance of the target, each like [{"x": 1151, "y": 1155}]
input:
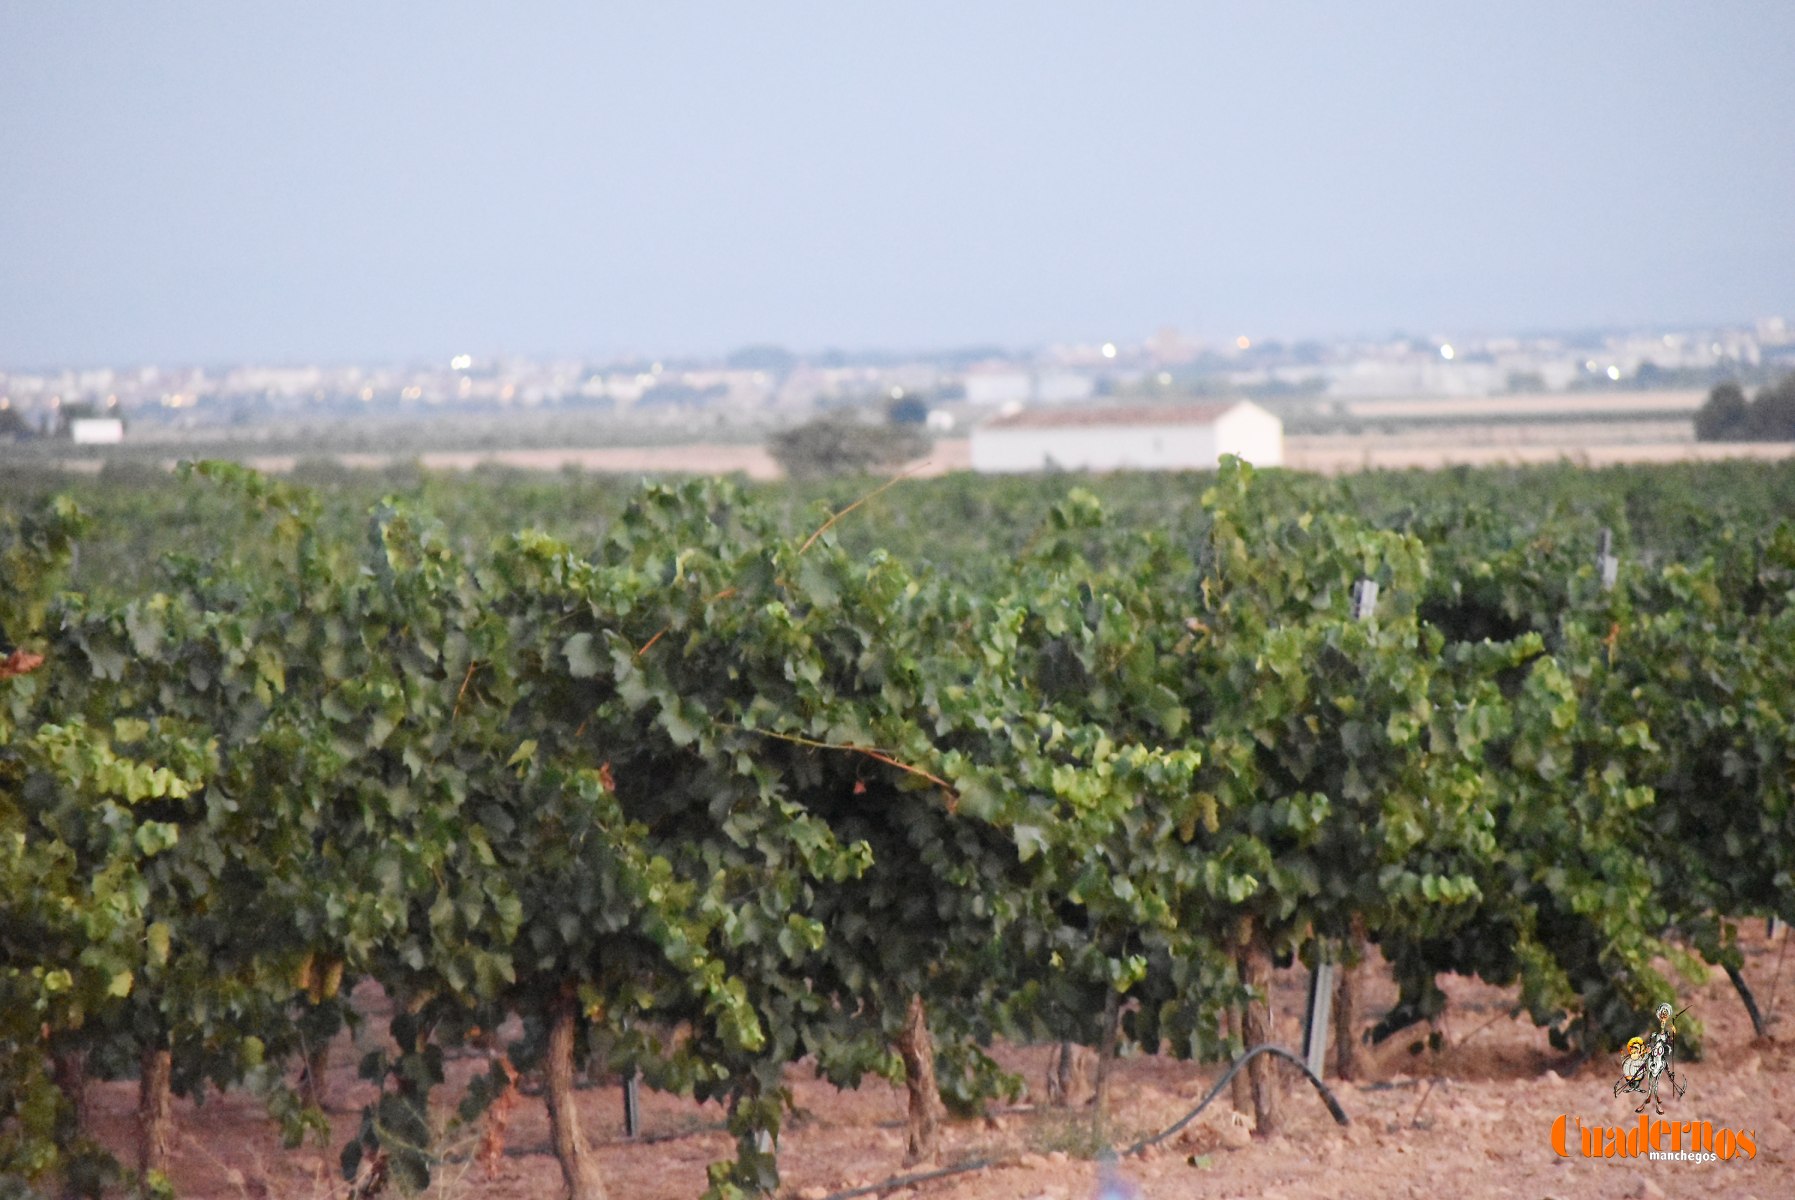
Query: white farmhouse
[
  {"x": 96, "y": 431},
  {"x": 1142, "y": 438}
]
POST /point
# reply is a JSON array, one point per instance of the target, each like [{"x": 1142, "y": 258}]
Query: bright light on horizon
[
  {"x": 1109, "y": 349},
  {"x": 1446, "y": 351},
  {"x": 461, "y": 362}
]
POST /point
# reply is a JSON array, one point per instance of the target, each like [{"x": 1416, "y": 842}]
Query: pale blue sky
[{"x": 381, "y": 181}]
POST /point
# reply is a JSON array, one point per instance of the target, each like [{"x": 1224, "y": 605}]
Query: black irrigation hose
[
  {"x": 1327, "y": 1097},
  {"x": 903, "y": 1181}
]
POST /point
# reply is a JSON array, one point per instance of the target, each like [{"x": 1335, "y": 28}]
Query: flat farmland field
[
  {"x": 1507, "y": 445},
  {"x": 1552, "y": 404},
  {"x": 1589, "y": 443}
]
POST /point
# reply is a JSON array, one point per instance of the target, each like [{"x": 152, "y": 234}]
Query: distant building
[
  {"x": 1141, "y": 438},
  {"x": 96, "y": 431},
  {"x": 990, "y": 386},
  {"x": 1063, "y": 387},
  {"x": 1369, "y": 378}
]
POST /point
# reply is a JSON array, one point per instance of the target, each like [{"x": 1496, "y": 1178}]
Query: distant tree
[
  {"x": 14, "y": 425},
  {"x": 68, "y": 414},
  {"x": 1772, "y": 414},
  {"x": 1723, "y": 417},
  {"x": 840, "y": 445},
  {"x": 908, "y": 410}
]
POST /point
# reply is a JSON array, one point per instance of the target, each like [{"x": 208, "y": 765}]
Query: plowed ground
[{"x": 1470, "y": 1120}]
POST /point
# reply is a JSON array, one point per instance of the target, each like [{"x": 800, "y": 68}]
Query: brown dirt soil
[{"x": 1471, "y": 1120}]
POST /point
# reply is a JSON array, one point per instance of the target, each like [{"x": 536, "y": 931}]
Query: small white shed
[
  {"x": 96, "y": 431},
  {"x": 1142, "y": 438}
]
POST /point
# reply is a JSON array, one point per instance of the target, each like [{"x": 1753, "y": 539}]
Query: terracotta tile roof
[{"x": 1138, "y": 414}]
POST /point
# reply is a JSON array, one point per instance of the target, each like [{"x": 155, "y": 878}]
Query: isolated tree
[
  {"x": 840, "y": 445},
  {"x": 68, "y": 414},
  {"x": 1724, "y": 415},
  {"x": 1771, "y": 417},
  {"x": 908, "y": 410}
]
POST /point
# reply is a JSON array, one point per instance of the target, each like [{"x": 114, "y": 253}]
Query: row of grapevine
[
  {"x": 969, "y": 527},
  {"x": 714, "y": 796}
]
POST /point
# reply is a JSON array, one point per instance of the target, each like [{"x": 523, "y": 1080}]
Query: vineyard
[{"x": 688, "y": 783}]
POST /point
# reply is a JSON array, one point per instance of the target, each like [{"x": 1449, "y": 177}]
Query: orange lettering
[
  {"x": 1748, "y": 1142},
  {"x": 1558, "y": 1136},
  {"x": 1724, "y": 1145}
]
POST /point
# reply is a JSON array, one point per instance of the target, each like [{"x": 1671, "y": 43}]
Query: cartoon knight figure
[{"x": 1649, "y": 1059}]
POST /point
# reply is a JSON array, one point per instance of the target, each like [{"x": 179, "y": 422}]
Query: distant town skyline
[
  {"x": 337, "y": 183},
  {"x": 1165, "y": 344},
  {"x": 1166, "y": 367}
]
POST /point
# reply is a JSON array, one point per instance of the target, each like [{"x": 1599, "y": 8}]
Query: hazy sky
[{"x": 341, "y": 181}]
